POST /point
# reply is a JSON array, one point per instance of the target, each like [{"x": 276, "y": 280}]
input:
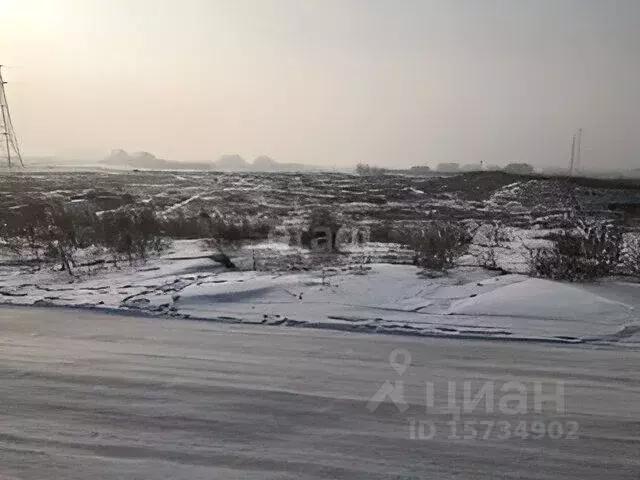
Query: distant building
[
  {"x": 472, "y": 167},
  {"x": 420, "y": 169},
  {"x": 448, "y": 167}
]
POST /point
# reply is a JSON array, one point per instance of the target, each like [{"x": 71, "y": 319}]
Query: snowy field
[
  {"x": 468, "y": 302},
  {"x": 370, "y": 287}
]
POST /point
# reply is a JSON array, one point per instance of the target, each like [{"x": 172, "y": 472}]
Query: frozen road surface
[{"x": 94, "y": 396}]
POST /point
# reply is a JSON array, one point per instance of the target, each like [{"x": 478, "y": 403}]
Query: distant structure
[
  {"x": 9, "y": 146},
  {"x": 519, "y": 168},
  {"x": 576, "y": 145},
  {"x": 448, "y": 167}
]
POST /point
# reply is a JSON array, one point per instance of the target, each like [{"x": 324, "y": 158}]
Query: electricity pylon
[{"x": 9, "y": 143}]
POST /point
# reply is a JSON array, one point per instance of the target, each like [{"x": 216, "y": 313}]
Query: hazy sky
[{"x": 333, "y": 82}]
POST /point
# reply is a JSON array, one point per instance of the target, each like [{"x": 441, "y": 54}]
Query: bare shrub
[
  {"x": 386, "y": 232},
  {"x": 364, "y": 169},
  {"x": 49, "y": 232},
  {"x": 438, "y": 245},
  {"x": 10, "y": 244},
  {"x": 45, "y": 231},
  {"x": 586, "y": 252},
  {"x": 180, "y": 226},
  {"x": 239, "y": 232},
  {"x": 132, "y": 233},
  {"x": 224, "y": 235},
  {"x": 296, "y": 237},
  {"x": 495, "y": 237},
  {"x": 630, "y": 256},
  {"x": 61, "y": 239},
  {"x": 24, "y": 228},
  {"x": 234, "y": 232}
]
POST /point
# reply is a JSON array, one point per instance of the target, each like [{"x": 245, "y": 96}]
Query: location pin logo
[{"x": 400, "y": 360}]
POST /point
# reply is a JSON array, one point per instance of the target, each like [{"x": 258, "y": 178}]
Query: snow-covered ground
[
  {"x": 89, "y": 396},
  {"x": 375, "y": 298}
]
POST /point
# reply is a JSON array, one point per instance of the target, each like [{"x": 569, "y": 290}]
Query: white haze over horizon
[{"x": 327, "y": 82}]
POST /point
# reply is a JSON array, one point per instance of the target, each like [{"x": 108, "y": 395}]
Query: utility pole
[
  {"x": 576, "y": 145},
  {"x": 9, "y": 140},
  {"x": 578, "y": 150},
  {"x": 573, "y": 155}
]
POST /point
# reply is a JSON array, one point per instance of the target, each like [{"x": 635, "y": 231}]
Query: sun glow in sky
[{"x": 331, "y": 82}]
